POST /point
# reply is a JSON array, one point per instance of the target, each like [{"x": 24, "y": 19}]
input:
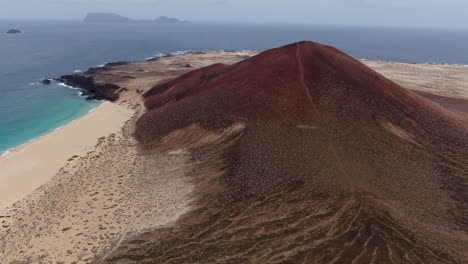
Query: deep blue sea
[{"x": 50, "y": 49}]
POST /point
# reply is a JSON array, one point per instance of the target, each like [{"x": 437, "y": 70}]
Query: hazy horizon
[{"x": 410, "y": 13}]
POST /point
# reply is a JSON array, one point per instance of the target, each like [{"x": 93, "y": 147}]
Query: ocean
[{"x": 49, "y": 49}]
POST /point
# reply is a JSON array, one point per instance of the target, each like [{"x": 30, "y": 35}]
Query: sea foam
[
  {"x": 180, "y": 52},
  {"x": 68, "y": 86},
  {"x": 5, "y": 153},
  {"x": 162, "y": 55}
]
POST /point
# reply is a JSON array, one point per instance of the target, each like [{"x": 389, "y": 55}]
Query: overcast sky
[{"x": 412, "y": 13}]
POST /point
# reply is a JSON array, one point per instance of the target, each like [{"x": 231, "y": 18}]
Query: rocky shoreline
[
  {"x": 95, "y": 90},
  {"x": 92, "y": 89},
  {"x": 115, "y": 79}
]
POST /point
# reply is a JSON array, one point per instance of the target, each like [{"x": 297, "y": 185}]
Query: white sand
[
  {"x": 97, "y": 200},
  {"x": 31, "y": 165}
]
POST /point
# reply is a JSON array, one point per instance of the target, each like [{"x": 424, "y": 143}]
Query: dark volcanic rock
[
  {"x": 76, "y": 80},
  {"x": 96, "y": 91},
  {"x": 45, "y": 81},
  {"x": 14, "y": 31},
  {"x": 117, "y": 63}
]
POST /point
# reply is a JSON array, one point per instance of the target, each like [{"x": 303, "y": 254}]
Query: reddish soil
[{"x": 336, "y": 164}]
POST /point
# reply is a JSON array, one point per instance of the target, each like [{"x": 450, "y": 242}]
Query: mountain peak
[
  {"x": 292, "y": 84},
  {"x": 319, "y": 132}
]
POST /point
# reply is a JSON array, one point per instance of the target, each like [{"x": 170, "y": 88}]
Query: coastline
[
  {"x": 4, "y": 153},
  {"x": 77, "y": 108},
  {"x": 32, "y": 164},
  {"x": 120, "y": 114},
  {"x": 368, "y": 62},
  {"x": 112, "y": 191},
  {"x": 18, "y": 179},
  {"x": 83, "y": 206}
]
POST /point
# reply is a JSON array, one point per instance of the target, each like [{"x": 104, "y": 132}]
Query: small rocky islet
[{"x": 14, "y": 31}]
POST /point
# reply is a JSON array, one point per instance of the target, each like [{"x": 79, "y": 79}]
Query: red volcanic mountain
[
  {"x": 299, "y": 83},
  {"x": 334, "y": 164}
]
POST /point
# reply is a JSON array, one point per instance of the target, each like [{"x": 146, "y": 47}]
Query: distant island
[
  {"x": 116, "y": 18},
  {"x": 14, "y": 31}
]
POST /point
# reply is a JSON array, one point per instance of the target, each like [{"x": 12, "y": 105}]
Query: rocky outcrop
[
  {"x": 45, "y": 81},
  {"x": 116, "y": 63},
  {"x": 93, "y": 90},
  {"x": 14, "y": 31}
]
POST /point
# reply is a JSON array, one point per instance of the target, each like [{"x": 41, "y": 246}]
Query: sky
[{"x": 401, "y": 13}]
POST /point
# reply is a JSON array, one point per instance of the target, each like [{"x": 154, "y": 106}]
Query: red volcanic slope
[
  {"x": 303, "y": 83},
  {"x": 362, "y": 170},
  {"x": 310, "y": 109}
]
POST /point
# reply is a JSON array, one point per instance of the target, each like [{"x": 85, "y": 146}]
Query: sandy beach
[
  {"x": 85, "y": 197},
  {"x": 33, "y": 164},
  {"x": 74, "y": 195}
]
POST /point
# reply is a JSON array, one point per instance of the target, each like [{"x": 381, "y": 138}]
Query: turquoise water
[
  {"x": 54, "y": 48},
  {"x": 52, "y": 112}
]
